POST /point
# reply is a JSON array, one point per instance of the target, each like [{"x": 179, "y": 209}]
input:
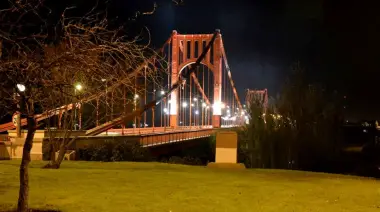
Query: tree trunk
[
  {"x": 272, "y": 155},
  {"x": 55, "y": 163},
  {"x": 61, "y": 155},
  {"x": 22, "y": 205}
]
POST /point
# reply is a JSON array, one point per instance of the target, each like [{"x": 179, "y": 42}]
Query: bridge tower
[{"x": 185, "y": 51}]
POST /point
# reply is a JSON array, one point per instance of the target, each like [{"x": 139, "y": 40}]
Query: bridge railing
[{"x": 150, "y": 140}]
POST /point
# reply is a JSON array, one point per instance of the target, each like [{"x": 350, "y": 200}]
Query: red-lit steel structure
[{"x": 197, "y": 91}]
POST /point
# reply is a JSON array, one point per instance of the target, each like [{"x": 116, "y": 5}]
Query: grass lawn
[{"x": 92, "y": 186}]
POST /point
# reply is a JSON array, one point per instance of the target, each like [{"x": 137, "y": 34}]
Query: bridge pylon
[{"x": 183, "y": 54}]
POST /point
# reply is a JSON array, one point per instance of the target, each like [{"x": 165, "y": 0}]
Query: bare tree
[{"x": 53, "y": 78}]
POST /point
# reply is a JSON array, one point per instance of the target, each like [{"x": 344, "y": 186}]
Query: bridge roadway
[
  {"x": 153, "y": 136},
  {"x": 146, "y": 137}
]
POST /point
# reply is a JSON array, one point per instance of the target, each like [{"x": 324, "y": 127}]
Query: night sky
[{"x": 337, "y": 41}]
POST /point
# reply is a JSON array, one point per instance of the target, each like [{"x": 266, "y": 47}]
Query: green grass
[{"x": 91, "y": 186}]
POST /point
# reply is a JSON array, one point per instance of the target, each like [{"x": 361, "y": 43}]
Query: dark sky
[{"x": 338, "y": 41}]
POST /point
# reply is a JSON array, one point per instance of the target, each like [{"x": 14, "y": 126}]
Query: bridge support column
[
  {"x": 216, "y": 121},
  {"x": 173, "y": 104},
  {"x": 173, "y": 121},
  {"x": 217, "y": 107}
]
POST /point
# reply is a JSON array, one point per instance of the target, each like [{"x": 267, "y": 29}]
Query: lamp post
[
  {"x": 106, "y": 94},
  {"x": 196, "y": 106},
  {"x": 21, "y": 88},
  {"x": 78, "y": 87},
  {"x": 203, "y": 110},
  {"x": 184, "y": 105},
  {"x": 162, "y": 92},
  {"x": 135, "y": 98}
]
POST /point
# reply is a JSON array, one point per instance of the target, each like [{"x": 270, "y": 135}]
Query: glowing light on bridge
[
  {"x": 217, "y": 108},
  {"x": 173, "y": 102},
  {"x": 21, "y": 87},
  {"x": 78, "y": 87},
  {"x": 196, "y": 111}
]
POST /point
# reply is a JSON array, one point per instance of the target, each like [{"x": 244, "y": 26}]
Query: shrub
[
  {"x": 176, "y": 160},
  {"x": 115, "y": 151}
]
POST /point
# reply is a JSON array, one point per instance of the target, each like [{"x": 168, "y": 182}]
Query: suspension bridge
[{"x": 191, "y": 95}]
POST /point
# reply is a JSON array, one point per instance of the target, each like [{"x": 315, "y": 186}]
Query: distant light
[
  {"x": 103, "y": 80},
  {"x": 246, "y": 117},
  {"x": 222, "y": 105},
  {"x": 228, "y": 106},
  {"x": 246, "y": 106},
  {"x": 192, "y": 104},
  {"x": 78, "y": 87},
  {"x": 195, "y": 99},
  {"x": 228, "y": 110},
  {"x": 184, "y": 104},
  {"x": 21, "y": 87},
  {"x": 264, "y": 114},
  {"x": 165, "y": 110},
  {"x": 196, "y": 112},
  {"x": 136, "y": 96},
  {"x": 365, "y": 130},
  {"x": 242, "y": 113},
  {"x": 162, "y": 92},
  {"x": 204, "y": 104},
  {"x": 207, "y": 107}
]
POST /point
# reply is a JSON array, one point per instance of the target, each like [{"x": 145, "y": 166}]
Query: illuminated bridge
[{"x": 185, "y": 91}]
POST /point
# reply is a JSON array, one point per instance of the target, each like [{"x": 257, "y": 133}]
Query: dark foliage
[
  {"x": 301, "y": 130},
  {"x": 115, "y": 151},
  {"x": 187, "y": 160}
]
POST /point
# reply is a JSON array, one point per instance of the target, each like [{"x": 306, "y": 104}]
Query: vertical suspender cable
[
  {"x": 97, "y": 112},
  {"x": 190, "y": 100},
  {"x": 145, "y": 93},
  {"x": 208, "y": 93},
  {"x": 154, "y": 96},
  {"x": 167, "y": 106},
  {"x": 203, "y": 87}
]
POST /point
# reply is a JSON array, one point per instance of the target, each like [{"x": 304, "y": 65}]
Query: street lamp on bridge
[
  {"x": 77, "y": 87},
  {"x": 21, "y": 87}
]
